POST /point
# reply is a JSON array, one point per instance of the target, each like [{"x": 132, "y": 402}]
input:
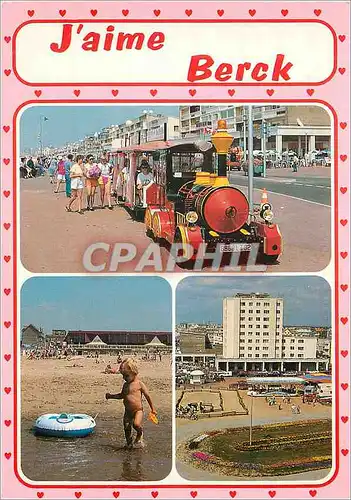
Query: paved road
[
  {"x": 310, "y": 188},
  {"x": 187, "y": 429},
  {"x": 53, "y": 240}
]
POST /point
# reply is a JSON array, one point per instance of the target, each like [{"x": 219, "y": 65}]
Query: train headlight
[
  {"x": 191, "y": 217},
  {"x": 267, "y": 215}
]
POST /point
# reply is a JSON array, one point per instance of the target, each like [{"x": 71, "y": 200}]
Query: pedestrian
[
  {"x": 105, "y": 182},
  {"x": 23, "y": 170},
  {"x": 77, "y": 184},
  {"x": 92, "y": 172},
  {"x": 68, "y": 165},
  {"x": 60, "y": 173},
  {"x": 31, "y": 167},
  {"x": 52, "y": 169}
]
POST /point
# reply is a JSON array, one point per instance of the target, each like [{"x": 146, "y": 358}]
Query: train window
[{"x": 186, "y": 162}]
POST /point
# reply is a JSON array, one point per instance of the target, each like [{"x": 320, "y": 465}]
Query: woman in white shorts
[{"x": 77, "y": 184}]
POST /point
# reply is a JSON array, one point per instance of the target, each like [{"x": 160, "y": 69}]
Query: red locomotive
[{"x": 187, "y": 203}]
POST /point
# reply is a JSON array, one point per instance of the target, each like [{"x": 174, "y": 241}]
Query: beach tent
[
  {"x": 156, "y": 342},
  {"x": 96, "y": 342}
]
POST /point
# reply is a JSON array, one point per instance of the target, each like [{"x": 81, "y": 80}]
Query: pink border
[{"x": 335, "y": 92}]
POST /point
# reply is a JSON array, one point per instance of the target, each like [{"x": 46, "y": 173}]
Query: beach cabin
[
  {"x": 324, "y": 391},
  {"x": 197, "y": 377}
]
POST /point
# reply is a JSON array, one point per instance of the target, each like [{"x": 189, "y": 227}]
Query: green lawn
[{"x": 224, "y": 445}]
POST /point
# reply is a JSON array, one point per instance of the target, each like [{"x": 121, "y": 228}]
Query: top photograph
[{"x": 202, "y": 188}]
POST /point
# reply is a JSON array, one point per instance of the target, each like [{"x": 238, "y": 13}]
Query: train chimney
[{"x": 222, "y": 142}]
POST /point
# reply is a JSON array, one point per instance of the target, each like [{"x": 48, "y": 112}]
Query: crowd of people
[{"x": 86, "y": 175}]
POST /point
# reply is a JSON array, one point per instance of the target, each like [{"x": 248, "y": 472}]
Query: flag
[{"x": 45, "y": 119}]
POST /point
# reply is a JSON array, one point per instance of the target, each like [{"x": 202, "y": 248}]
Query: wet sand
[{"x": 55, "y": 386}]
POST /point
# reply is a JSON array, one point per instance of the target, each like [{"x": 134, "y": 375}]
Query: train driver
[{"x": 144, "y": 178}]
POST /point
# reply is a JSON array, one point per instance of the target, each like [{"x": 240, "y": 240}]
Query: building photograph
[{"x": 247, "y": 405}]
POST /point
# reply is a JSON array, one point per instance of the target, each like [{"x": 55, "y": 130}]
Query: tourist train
[{"x": 189, "y": 200}]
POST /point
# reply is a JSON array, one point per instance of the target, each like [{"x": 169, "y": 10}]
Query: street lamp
[
  {"x": 129, "y": 123},
  {"x": 222, "y": 141}
]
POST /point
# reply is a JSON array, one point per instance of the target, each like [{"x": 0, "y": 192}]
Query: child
[{"x": 132, "y": 391}]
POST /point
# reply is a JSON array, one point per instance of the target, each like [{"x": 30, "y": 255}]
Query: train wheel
[{"x": 150, "y": 234}]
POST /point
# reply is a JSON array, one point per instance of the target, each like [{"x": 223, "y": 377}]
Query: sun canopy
[
  {"x": 156, "y": 146},
  {"x": 97, "y": 341},
  {"x": 156, "y": 342}
]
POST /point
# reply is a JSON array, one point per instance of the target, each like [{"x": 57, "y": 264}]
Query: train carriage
[{"x": 189, "y": 202}]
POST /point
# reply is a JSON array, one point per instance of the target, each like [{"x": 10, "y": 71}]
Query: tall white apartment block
[{"x": 252, "y": 326}]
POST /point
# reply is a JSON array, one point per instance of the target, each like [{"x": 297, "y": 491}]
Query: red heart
[
  {"x": 344, "y": 353},
  {"x": 344, "y": 419},
  {"x": 37, "y": 93},
  {"x": 310, "y": 92},
  {"x": 93, "y": 12},
  {"x": 7, "y": 259},
  {"x": 153, "y": 92},
  {"x": 192, "y": 92},
  {"x": 7, "y": 357},
  {"x": 154, "y": 494},
  {"x": 125, "y": 12},
  {"x": 40, "y": 494},
  {"x": 343, "y": 190},
  {"x": 344, "y": 287},
  {"x": 7, "y": 324},
  {"x": 78, "y": 494},
  {"x": 7, "y": 225},
  {"x": 344, "y": 452},
  {"x": 30, "y": 13},
  {"x": 188, "y": 12},
  {"x": 114, "y": 92},
  {"x": 62, "y": 13},
  {"x": 6, "y": 161},
  {"x": 344, "y": 386},
  {"x": 317, "y": 12},
  {"x": 220, "y": 12},
  {"x": 7, "y": 456},
  {"x": 231, "y": 92},
  {"x": 272, "y": 493},
  {"x": 157, "y": 12},
  {"x": 342, "y": 71},
  {"x": 6, "y": 128},
  {"x": 284, "y": 12},
  {"x": 343, "y": 222},
  {"x": 7, "y": 39},
  {"x": 7, "y": 72},
  {"x": 8, "y": 422},
  {"x": 344, "y": 320},
  {"x": 7, "y": 390},
  {"x": 232, "y": 494},
  {"x": 76, "y": 92},
  {"x": 343, "y": 157},
  {"x": 116, "y": 494},
  {"x": 343, "y": 255},
  {"x": 313, "y": 493},
  {"x": 342, "y": 38},
  {"x": 343, "y": 125},
  {"x": 270, "y": 92},
  {"x": 7, "y": 291},
  {"x": 6, "y": 194},
  {"x": 193, "y": 494},
  {"x": 252, "y": 12}
]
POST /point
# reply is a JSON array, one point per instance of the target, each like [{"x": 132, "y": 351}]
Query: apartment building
[
  {"x": 252, "y": 326},
  {"x": 299, "y": 128}
]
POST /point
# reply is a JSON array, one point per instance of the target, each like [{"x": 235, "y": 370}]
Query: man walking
[{"x": 68, "y": 164}]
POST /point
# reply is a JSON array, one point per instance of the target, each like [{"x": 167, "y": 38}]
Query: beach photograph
[
  {"x": 254, "y": 379},
  {"x": 224, "y": 188},
  {"x": 96, "y": 379}
]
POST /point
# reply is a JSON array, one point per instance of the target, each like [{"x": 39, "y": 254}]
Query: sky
[
  {"x": 307, "y": 300},
  {"x": 71, "y": 123},
  {"x": 97, "y": 303}
]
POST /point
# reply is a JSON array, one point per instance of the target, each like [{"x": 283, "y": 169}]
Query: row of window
[{"x": 264, "y": 355}]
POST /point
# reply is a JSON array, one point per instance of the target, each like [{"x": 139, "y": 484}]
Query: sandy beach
[{"x": 55, "y": 385}]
